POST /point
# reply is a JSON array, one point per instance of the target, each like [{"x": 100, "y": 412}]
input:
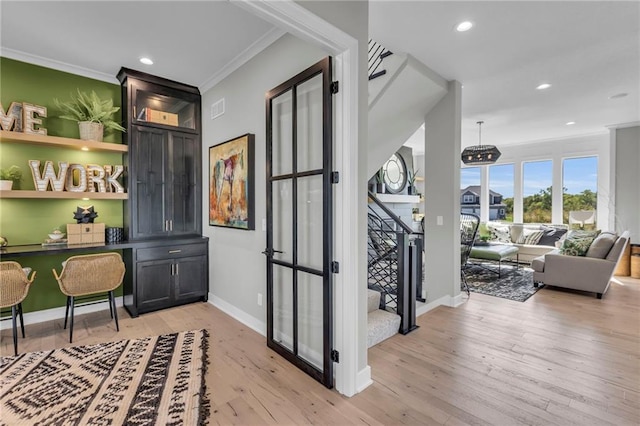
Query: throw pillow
[
  {"x": 577, "y": 242},
  {"x": 499, "y": 233},
  {"x": 550, "y": 235},
  {"x": 530, "y": 236},
  {"x": 601, "y": 246}
]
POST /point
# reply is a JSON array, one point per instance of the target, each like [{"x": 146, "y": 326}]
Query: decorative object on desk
[
  {"x": 86, "y": 233},
  {"x": 231, "y": 192},
  {"x": 121, "y": 382},
  {"x": 85, "y": 214},
  {"x": 93, "y": 114},
  {"x": 12, "y": 119},
  {"x": 395, "y": 174},
  {"x": 49, "y": 242},
  {"x": 513, "y": 284},
  {"x": 480, "y": 154},
  {"x": 10, "y": 177},
  {"x": 380, "y": 187},
  {"x": 3, "y": 241},
  {"x": 29, "y": 119},
  {"x": 56, "y": 234},
  {"x": 411, "y": 180},
  {"x": 114, "y": 235}
]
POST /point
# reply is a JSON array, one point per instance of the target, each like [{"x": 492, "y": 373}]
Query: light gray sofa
[
  {"x": 526, "y": 252},
  {"x": 591, "y": 273}
]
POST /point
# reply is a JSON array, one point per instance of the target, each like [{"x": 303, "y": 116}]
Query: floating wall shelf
[
  {"x": 64, "y": 195},
  {"x": 33, "y": 139}
]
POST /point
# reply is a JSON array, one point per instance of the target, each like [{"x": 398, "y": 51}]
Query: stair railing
[
  {"x": 376, "y": 54},
  {"x": 394, "y": 256}
]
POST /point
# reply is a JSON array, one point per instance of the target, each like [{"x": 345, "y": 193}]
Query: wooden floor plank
[{"x": 561, "y": 357}]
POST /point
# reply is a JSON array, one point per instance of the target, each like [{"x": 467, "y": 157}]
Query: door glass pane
[
  {"x": 309, "y": 124},
  {"x": 156, "y": 108},
  {"x": 283, "y": 306},
  {"x": 309, "y": 223},
  {"x": 580, "y": 197},
  {"x": 282, "y": 207},
  {"x": 310, "y": 343},
  {"x": 536, "y": 191},
  {"x": 501, "y": 192},
  {"x": 281, "y": 128}
]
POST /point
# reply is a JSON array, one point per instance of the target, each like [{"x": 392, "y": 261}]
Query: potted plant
[
  {"x": 411, "y": 180},
  {"x": 380, "y": 186},
  {"x": 93, "y": 114},
  {"x": 10, "y": 176}
]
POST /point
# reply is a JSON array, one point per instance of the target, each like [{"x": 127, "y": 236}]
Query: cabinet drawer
[{"x": 169, "y": 252}]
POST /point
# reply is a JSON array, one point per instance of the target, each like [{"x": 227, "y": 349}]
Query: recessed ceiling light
[
  {"x": 464, "y": 26},
  {"x": 570, "y": 123},
  {"x": 543, "y": 86},
  {"x": 618, "y": 95},
  {"x": 146, "y": 61}
]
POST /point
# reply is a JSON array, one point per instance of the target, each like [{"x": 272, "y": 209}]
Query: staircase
[
  {"x": 402, "y": 90},
  {"x": 380, "y": 324}
]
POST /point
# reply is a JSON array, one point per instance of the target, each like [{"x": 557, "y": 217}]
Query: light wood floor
[{"x": 559, "y": 358}]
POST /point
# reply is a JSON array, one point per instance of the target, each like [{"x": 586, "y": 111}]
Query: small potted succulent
[
  {"x": 94, "y": 115},
  {"x": 411, "y": 180},
  {"x": 10, "y": 177}
]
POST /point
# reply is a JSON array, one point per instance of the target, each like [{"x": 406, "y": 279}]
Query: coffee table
[{"x": 496, "y": 253}]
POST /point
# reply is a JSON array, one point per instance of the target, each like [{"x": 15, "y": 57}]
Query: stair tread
[
  {"x": 381, "y": 325},
  {"x": 373, "y": 300}
]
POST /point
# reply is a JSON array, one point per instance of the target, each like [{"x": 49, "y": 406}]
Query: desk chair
[
  {"x": 89, "y": 275},
  {"x": 14, "y": 287}
]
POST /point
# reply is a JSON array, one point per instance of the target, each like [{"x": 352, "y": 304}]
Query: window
[
  {"x": 537, "y": 179},
  {"x": 470, "y": 181},
  {"x": 580, "y": 191},
  {"x": 501, "y": 191}
]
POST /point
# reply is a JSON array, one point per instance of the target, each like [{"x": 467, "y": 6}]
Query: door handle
[{"x": 270, "y": 251}]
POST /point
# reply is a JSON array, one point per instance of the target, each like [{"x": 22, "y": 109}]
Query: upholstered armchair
[{"x": 591, "y": 273}]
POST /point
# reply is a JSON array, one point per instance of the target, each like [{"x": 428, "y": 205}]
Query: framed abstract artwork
[{"x": 231, "y": 183}]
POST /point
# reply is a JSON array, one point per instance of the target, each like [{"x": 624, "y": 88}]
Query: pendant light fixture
[{"x": 480, "y": 154}]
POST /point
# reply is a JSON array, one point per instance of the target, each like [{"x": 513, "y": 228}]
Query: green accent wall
[{"x": 28, "y": 221}]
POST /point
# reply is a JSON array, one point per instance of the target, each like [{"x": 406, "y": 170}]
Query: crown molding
[
  {"x": 256, "y": 47},
  {"x": 57, "y": 65},
  {"x": 624, "y": 125}
]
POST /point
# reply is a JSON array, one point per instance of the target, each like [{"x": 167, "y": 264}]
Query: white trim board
[
  {"x": 57, "y": 65},
  {"x": 55, "y": 314},
  {"x": 452, "y": 302},
  {"x": 238, "y": 314}
]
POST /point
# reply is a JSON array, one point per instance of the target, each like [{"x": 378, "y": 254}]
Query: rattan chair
[
  {"x": 90, "y": 275},
  {"x": 468, "y": 229},
  {"x": 14, "y": 287}
]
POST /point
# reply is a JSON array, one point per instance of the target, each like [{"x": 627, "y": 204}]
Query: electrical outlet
[{"x": 259, "y": 299}]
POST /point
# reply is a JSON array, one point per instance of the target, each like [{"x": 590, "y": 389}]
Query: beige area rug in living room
[{"x": 155, "y": 380}]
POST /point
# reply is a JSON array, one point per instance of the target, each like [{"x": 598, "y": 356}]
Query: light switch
[
  {"x": 264, "y": 225},
  {"x": 439, "y": 221}
]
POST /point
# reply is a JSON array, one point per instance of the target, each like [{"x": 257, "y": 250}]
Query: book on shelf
[{"x": 49, "y": 242}]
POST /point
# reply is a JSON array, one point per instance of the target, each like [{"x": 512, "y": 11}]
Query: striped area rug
[{"x": 155, "y": 380}]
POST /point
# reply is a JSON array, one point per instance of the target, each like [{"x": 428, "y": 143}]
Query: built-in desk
[{"x": 160, "y": 273}]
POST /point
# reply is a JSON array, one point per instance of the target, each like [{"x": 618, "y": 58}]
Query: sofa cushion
[
  {"x": 601, "y": 245},
  {"x": 551, "y": 234},
  {"x": 537, "y": 264},
  {"x": 577, "y": 242},
  {"x": 499, "y": 232},
  {"x": 516, "y": 231},
  {"x": 530, "y": 236}
]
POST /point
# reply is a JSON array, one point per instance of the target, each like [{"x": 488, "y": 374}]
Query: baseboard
[
  {"x": 238, "y": 314},
  {"x": 58, "y": 313},
  {"x": 363, "y": 379},
  {"x": 447, "y": 300}
]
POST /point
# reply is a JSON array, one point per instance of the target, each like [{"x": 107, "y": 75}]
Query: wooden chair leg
[
  {"x": 71, "y": 325},
  {"x": 21, "y": 318},
  {"x": 15, "y": 329},
  {"x": 66, "y": 314},
  {"x": 113, "y": 309}
]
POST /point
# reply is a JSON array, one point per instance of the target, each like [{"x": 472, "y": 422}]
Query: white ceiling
[
  {"x": 189, "y": 41},
  {"x": 588, "y": 51}
]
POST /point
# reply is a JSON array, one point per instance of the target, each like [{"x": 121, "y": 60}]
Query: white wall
[
  {"x": 627, "y": 181},
  {"x": 237, "y": 269},
  {"x": 442, "y": 197}
]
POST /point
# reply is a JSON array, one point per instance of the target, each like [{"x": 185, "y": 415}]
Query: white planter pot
[
  {"x": 90, "y": 131},
  {"x": 6, "y": 185}
]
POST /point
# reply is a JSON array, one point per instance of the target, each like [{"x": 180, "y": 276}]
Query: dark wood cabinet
[{"x": 164, "y": 179}]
